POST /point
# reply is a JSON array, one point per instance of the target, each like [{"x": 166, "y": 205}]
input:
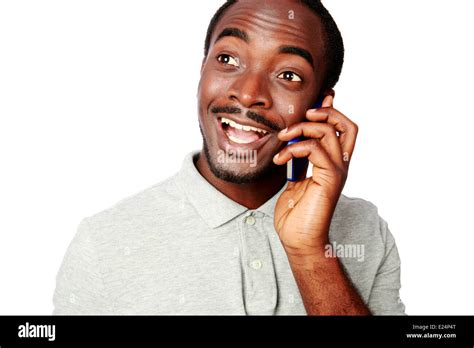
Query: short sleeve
[
  {"x": 385, "y": 294},
  {"x": 79, "y": 285}
]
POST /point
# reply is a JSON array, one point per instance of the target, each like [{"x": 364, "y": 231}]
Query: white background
[{"x": 98, "y": 101}]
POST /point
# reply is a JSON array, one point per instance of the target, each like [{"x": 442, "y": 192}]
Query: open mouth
[{"x": 239, "y": 133}]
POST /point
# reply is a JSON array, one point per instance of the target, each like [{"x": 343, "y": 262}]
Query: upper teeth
[{"x": 242, "y": 127}]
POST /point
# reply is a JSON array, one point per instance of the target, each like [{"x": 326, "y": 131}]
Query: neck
[{"x": 251, "y": 195}]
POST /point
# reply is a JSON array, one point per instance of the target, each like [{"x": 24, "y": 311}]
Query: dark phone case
[{"x": 296, "y": 167}]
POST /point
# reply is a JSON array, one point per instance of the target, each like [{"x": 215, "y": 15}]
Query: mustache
[{"x": 250, "y": 114}]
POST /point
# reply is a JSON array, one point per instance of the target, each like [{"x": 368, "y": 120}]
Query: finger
[
  {"x": 328, "y": 102},
  {"x": 307, "y": 148},
  {"x": 326, "y": 134},
  {"x": 344, "y": 126}
]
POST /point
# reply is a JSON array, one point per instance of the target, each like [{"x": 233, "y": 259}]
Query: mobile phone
[{"x": 296, "y": 167}]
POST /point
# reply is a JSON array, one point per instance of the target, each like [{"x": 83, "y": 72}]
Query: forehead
[{"x": 277, "y": 21}]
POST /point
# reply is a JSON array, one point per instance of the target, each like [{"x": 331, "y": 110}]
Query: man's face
[{"x": 264, "y": 69}]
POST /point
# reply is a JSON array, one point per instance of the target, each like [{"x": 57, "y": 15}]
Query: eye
[
  {"x": 227, "y": 59},
  {"x": 290, "y": 76}
]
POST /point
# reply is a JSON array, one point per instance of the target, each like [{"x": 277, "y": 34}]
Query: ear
[
  {"x": 326, "y": 93},
  {"x": 330, "y": 92},
  {"x": 202, "y": 64},
  {"x": 328, "y": 98},
  {"x": 323, "y": 99}
]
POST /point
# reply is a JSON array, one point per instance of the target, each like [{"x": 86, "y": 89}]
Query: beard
[{"x": 235, "y": 176}]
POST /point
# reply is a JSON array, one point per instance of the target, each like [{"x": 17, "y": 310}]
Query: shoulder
[
  {"x": 136, "y": 212},
  {"x": 357, "y": 218},
  {"x": 355, "y": 207}
]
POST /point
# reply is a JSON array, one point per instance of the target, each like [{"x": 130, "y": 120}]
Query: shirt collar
[{"x": 213, "y": 206}]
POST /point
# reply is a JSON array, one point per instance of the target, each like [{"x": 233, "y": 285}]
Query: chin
[{"x": 223, "y": 166}]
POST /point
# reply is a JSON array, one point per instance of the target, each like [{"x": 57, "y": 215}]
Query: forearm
[{"x": 324, "y": 286}]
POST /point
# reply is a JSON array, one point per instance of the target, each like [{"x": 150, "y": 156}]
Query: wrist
[{"x": 310, "y": 259}]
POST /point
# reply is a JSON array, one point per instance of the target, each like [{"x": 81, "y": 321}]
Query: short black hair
[{"x": 334, "y": 45}]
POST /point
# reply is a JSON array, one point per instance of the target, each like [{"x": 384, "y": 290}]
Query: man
[{"x": 228, "y": 234}]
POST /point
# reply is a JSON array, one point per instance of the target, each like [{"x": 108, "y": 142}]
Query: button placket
[
  {"x": 256, "y": 264},
  {"x": 260, "y": 275},
  {"x": 250, "y": 220}
]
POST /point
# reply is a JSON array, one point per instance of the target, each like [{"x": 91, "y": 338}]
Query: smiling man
[{"x": 228, "y": 234}]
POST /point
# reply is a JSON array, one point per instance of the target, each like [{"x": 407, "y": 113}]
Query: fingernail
[
  {"x": 276, "y": 156},
  {"x": 284, "y": 131}
]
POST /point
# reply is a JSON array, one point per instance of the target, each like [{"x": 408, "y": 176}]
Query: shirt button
[
  {"x": 256, "y": 264},
  {"x": 250, "y": 220}
]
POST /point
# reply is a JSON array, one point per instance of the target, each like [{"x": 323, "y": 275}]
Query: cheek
[
  {"x": 211, "y": 87},
  {"x": 291, "y": 111}
]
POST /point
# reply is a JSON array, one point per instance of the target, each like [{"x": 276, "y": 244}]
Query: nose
[{"x": 251, "y": 91}]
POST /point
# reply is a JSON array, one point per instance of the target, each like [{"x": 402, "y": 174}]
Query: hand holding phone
[{"x": 304, "y": 210}]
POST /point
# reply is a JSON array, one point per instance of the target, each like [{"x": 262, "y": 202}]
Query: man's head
[{"x": 265, "y": 64}]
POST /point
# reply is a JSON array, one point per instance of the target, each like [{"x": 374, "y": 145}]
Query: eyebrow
[
  {"x": 233, "y": 32},
  {"x": 242, "y": 35},
  {"x": 299, "y": 52}
]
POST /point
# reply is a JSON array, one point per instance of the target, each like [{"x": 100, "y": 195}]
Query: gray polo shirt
[{"x": 182, "y": 247}]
